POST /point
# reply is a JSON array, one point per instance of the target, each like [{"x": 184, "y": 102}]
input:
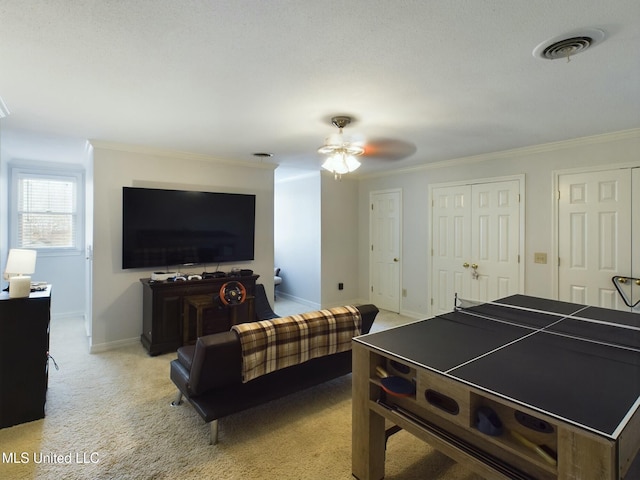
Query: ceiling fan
[{"x": 341, "y": 151}]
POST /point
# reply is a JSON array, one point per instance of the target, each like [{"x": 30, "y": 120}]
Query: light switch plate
[{"x": 540, "y": 257}]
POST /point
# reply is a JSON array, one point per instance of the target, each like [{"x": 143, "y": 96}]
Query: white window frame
[{"x": 53, "y": 172}]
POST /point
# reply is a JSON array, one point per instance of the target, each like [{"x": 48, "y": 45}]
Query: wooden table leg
[{"x": 368, "y": 432}]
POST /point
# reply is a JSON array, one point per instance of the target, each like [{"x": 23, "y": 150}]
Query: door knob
[
  {"x": 395, "y": 259},
  {"x": 465, "y": 264},
  {"x": 474, "y": 265}
]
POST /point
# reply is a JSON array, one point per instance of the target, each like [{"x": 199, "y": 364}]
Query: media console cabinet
[
  {"x": 164, "y": 310},
  {"x": 24, "y": 355}
]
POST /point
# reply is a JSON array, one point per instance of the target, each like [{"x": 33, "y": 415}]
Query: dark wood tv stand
[{"x": 164, "y": 310}]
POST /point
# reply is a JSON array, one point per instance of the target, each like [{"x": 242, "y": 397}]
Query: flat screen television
[{"x": 168, "y": 228}]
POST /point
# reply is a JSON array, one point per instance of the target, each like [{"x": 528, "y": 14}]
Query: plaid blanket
[{"x": 270, "y": 345}]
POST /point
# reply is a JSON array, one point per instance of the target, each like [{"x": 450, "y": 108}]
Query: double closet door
[
  {"x": 599, "y": 237},
  {"x": 476, "y": 242}
]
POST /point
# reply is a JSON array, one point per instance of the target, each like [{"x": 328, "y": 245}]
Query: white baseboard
[
  {"x": 317, "y": 306},
  {"x": 293, "y": 298},
  {"x": 103, "y": 347},
  {"x": 416, "y": 315},
  {"x": 346, "y": 302},
  {"x": 65, "y": 315}
]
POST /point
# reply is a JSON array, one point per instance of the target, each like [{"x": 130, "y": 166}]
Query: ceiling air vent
[{"x": 568, "y": 45}]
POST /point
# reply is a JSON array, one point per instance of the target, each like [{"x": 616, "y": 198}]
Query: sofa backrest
[
  {"x": 217, "y": 360},
  {"x": 279, "y": 343}
]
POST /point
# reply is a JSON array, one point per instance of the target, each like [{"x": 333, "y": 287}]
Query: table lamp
[{"x": 20, "y": 264}]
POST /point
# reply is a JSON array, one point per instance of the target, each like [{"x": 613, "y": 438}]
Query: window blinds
[{"x": 47, "y": 211}]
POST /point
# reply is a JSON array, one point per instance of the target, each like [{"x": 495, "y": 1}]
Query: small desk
[{"x": 202, "y": 303}]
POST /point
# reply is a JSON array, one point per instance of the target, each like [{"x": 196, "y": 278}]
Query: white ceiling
[{"x": 442, "y": 79}]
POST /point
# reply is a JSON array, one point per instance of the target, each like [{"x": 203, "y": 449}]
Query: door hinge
[
  {"x": 372, "y": 248},
  {"x": 432, "y": 302},
  {"x": 372, "y": 206},
  {"x": 518, "y": 258},
  {"x": 371, "y": 288}
]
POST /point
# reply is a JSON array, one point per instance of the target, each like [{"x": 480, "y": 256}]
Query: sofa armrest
[
  {"x": 216, "y": 362},
  {"x": 368, "y": 314}
]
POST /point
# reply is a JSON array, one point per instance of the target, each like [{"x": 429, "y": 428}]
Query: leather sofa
[{"x": 209, "y": 375}]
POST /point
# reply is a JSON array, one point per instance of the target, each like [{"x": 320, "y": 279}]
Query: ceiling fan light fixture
[
  {"x": 344, "y": 147},
  {"x": 341, "y": 153},
  {"x": 340, "y": 164}
]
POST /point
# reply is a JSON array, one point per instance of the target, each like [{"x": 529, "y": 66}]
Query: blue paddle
[{"x": 397, "y": 386}]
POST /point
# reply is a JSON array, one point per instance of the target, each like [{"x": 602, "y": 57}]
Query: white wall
[
  {"x": 298, "y": 237},
  {"x": 537, "y": 163},
  {"x": 339, "y": 246},
  {"x": 66, "y": 272},
  {"x": 4, "y": 199},
  {"x": 117, "y": 293},
  {"x": 316, "y": 238}
]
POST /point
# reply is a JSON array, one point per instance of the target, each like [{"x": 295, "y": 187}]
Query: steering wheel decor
[{"x": 233, "y": 293}]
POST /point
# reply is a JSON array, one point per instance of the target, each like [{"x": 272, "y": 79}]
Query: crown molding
[
  {"x": 299, "y": 176},
  {"x": 531, "y": 150},
  {"x": 176, "y": 154}
]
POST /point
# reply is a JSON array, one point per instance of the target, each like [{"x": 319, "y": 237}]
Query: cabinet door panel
[
  {"x": 24, "y": 343},
  {"x": 167, "y": 327}
]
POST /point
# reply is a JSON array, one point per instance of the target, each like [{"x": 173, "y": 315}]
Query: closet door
[
  {"x": 475, "y": 242},
  {"x": 594, "y": 244},
  {"x": 450, "y": 246},
  {"x": 495, "y": 237}
]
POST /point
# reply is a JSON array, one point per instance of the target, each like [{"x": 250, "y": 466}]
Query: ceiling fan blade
[{"x": 389, "y": 149}]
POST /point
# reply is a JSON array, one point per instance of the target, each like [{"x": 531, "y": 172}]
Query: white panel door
[
  {"x": 385, "y": 250},
  {"x": 635, "y": 235},
  {"x": 594, "y": 244},
  {"x": 451, "y": 246},
  {"x": 495, "y": 236},
  {"x": 475, "y": 242}
]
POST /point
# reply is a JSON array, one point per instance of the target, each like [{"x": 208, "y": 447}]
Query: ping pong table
[{"x": 518, "y": 388}]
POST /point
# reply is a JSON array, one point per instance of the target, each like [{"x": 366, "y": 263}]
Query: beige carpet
[{"x": 108, "y": 416}]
